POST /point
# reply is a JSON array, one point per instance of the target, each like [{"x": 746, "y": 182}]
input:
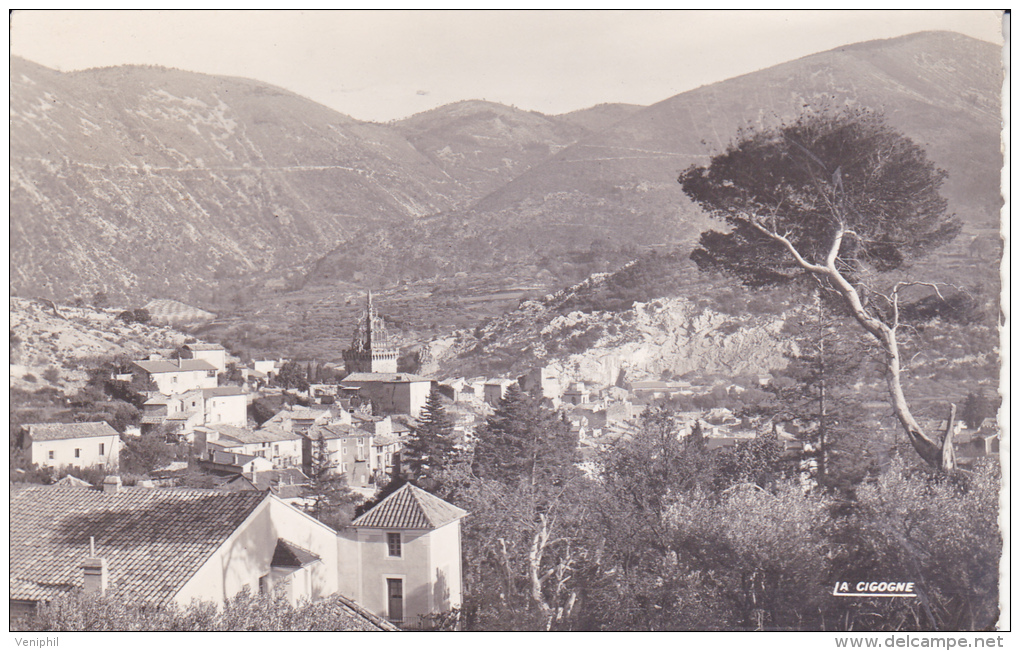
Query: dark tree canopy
[
  {"x": 430, "y": 447},
  {"x": 845, "y": 174},
  {"x": 835, "y": 196},
  {"x": 522, "y": 440}
]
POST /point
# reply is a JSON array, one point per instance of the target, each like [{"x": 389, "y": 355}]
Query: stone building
[{"x": 371, "y": 350}]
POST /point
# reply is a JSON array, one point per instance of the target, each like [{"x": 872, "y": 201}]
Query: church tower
[{"x": 371, "y": 350}]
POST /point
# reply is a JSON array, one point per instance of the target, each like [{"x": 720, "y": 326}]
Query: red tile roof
[
  {"x": 153, "y": 540},
  {"x": 410, "y": 508},
  {"x": 175, "y": 366},
  {"x": 287, "y": 554},
  {"x": 62, "y": 431}
]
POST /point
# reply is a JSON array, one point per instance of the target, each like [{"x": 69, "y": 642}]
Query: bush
[
  {"x": 28, "y": 377},
  {"x": 52, "y": 375}
]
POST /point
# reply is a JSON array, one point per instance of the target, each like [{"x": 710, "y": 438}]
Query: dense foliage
[
  {"x": 663, "y": 533},
  {"x": 429, "y": 448},
  {"x": 245, "y": 612}
]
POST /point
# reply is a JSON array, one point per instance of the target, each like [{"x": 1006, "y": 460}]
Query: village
[{"x": 396, "y": 563}]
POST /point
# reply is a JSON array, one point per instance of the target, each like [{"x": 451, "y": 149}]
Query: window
[
  {"x": 102, "y": 449},
  {"x": 345, "y": 451},
  {"x": 264, "y": 584},
  {"x": 51, "y": 454},
  {"x": 173, "y": 379},
  {"x": 77, "y": 453},
  {"x": 393, "y": 544}
]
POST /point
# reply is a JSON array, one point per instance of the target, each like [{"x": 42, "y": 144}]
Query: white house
[
  {"x": 178, "y": 376},
  {"x": 226, "y": 406},
  {"x": 55, "y": 445},
  {"x": 280, "y": 447},
  {"x": 390, "y": 393},
  {"x": 409, "y": 562},
  {"x": 215, "y": 354},
  {"x": 168, "y": 546}
]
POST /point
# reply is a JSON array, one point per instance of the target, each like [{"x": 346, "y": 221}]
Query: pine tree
[
  {"x": 524, "y": 440},
  {"x": 332, "y": 501},
  {"x": 430, "y": 447}
]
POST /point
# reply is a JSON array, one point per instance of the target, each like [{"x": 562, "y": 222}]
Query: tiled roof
[
  {"x": 204, "y": 347},
  {"x": 176, "y": 366},
  {"x": 71, "y": 481},
  {"x": 63, "y": 431},
  {"x": 243, "y": 436},
  {"x": 336, "y": 431},
  {"x": 230, "y": 458},
  {"x": 182, "y": 415},
  {"x": 153, "y": 540},
  {"x": 384, "y": 377},
  {"x": 222, "y": 391},
  {"x": 410, "y": 508},
  {"x": 287, "y": 554}
]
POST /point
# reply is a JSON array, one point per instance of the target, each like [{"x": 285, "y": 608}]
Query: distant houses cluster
[{"x": 399, "y": 560}]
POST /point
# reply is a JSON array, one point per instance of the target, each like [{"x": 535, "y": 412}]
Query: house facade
[
  {"x": 178, "y": 376},
  {"x": 56, "y": 445},
  {"x": 169, "y": 546},
  {"x": 409, "y": 561},
  {"x": 349, "y": 448},
  {"x": 215, "y": 354},
  {"x": 390, "y": 393}
]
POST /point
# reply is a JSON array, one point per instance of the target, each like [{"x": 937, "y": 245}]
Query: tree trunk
[{"x": 928, "y": 449}]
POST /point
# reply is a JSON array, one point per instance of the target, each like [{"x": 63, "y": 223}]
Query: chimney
[
  {"x": 97, "y": 575},
  {"x": 112, "y": 484}
]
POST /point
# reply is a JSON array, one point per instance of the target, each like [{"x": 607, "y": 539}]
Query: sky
[{"x": 385, "y": 65}]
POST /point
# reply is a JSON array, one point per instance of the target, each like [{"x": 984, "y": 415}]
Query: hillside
[
  {"x": 274, "y": 213},
  {"x": 70, "y": 339},
  {"x": 483, "y": 145},
  {"x": 619, "y": 186},
  {"x": 600, "y": 117},
  {"x": 160, "y": 183}
]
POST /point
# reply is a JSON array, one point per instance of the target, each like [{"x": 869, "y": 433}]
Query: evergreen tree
[
  {"x": 332, "y": 501},
  {"x": 976, "y": 409},
  {"x": 840, "y": 197},
  {"x": 524, "y": 440},
  {"x": 430, "y": 447}
]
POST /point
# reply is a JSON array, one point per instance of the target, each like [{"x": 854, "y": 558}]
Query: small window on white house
[
  {"x": 51, "y": 454},
  {"x": 102, "y": 449},
  {"x": 393, "y": 544},
  {"x": 173, "y": 379},
  {"x": 345, "y": 451},
  {"x": 264, "y": 584},
  {"x": 77, "y": 453}
]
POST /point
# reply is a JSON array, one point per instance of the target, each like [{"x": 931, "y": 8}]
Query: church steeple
[{"x": 371, "y": 350}]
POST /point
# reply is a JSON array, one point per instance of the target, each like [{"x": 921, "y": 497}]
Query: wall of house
[
  {"x": 181, "y": 381},
  {"x": 247, "y": 555},
  {"x": 217, "y": 358},
  {"x": 227, "y": 410},
  {"x": 286, "y": 454},
  {"x": 414, "y": 566},
  {"x": 64, "y": 452},
  {"x": 447, "y": 586}
]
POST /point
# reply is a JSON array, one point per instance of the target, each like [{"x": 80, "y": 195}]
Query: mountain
[
  {"x": 619, "y": 185},
  {"x": 601, "y": 116},
  {"x": 484, "y": 145},
  {"x": 161, "y": 183},
  {"x": 227, "y": 193}
]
